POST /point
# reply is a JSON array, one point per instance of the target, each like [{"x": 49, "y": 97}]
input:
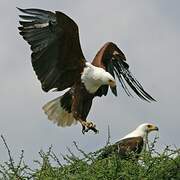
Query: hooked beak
[
  {"x": 153, "y": 128},
  {"x": 112, "y": 83}
]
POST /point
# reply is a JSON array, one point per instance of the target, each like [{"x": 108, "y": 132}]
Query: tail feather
[{"x": 57, "y": 111}]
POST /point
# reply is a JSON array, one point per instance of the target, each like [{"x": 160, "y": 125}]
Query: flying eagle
[
  {"x": 59, "y": 63},
  {"x": 132, "y": 142}
]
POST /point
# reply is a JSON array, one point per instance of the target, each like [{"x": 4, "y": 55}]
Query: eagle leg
[{"x": 88, "y": 125}]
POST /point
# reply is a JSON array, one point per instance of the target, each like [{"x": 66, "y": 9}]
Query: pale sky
[{"x": 148, "y": 32}]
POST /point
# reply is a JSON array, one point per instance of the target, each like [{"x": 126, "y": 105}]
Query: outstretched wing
[
  {"x": 112, "y": 59},
  {"x": 56, "y": 56}
]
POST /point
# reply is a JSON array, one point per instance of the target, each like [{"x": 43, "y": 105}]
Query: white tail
[{"x": 57, "y": 114}]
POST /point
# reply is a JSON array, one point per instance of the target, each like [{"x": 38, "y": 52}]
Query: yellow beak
[
  {"x": 112, "y": 83},
  {"x": 153, "y": 128}
]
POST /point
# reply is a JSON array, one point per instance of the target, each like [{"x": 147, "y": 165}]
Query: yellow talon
[{"x": 88, "y": 125}]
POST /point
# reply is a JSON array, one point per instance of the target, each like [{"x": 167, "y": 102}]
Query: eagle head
[
  {"x": 148, "y": 127},
  {"x": 107, "y": 79},
  {"x": 94, "y": 77},
  {"x": 142, "y": 130}
]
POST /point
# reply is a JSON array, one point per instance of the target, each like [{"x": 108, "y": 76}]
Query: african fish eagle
[
  {"x": 59, "y": 63},
  {"x": 132, "y": 142}
]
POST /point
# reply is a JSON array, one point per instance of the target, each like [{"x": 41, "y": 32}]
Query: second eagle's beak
[
  {"x": 153, "y": 128},
  {"x": 156, "y": 128},
  {"x": 112, "y": 83}
]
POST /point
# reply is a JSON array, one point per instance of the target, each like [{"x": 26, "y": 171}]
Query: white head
[
  {"x": 93, "y": 77},
  {"x": 142, "y": 130}
]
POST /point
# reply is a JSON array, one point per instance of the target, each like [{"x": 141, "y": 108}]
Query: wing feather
[
  {"x": 123, "y": 148},
  {"x": 128, "y": 145},
  {"x": 56, "y": 56},
  {"x": 113, "y": 60}
]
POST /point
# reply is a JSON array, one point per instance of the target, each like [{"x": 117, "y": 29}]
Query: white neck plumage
[
  {"x": 93, "y": 77},
  {"x": 136, "y": 133}
]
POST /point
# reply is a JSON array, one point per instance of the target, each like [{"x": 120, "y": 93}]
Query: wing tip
[
  {"x": 20, "y": 9},
  {"x": 148, "y": 98},
  {"x": 153, "y": 100}
]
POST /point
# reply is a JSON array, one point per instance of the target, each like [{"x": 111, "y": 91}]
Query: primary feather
[{"x": 57, "y": 57}]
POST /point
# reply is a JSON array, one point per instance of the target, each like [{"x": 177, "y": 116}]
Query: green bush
[{"x": 150, "y": 165}]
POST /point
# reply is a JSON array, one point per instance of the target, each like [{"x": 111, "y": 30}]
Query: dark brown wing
[
  {"x": 57, "y": 57},
  {"x": 123, "y": 148},
  {"x": 112, "y": 59},
  {"x": 128, "y": 145}
]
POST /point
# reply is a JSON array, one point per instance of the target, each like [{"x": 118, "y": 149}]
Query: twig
[
  {"x": 109, "y": 137},
  {"x": 84, "y": 154},
  {"x": 9, "y": 154},
  {"x": 55, "y": 158},
  {"x": 21, "y": 159},
  {"x": 14, "y": 170}
]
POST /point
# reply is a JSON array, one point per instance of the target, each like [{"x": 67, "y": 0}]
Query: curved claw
[
  {"x": 94, "y": 129},
  {"x": 83, "y": 129},
  {"x": 87, "y": 125}
]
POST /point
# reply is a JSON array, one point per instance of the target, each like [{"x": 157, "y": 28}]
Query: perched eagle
[
  {"x": 59, "y": 63},
  {"x": 132, "y": 142}
]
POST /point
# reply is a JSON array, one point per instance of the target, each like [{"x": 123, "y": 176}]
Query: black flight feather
[{"x": 121, "y": 69}]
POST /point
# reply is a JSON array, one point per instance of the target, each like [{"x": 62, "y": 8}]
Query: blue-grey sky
[{"x": 148, "y": 32}]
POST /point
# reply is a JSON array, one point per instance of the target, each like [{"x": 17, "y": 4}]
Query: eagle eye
[{"x": 149, "y": 126}]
